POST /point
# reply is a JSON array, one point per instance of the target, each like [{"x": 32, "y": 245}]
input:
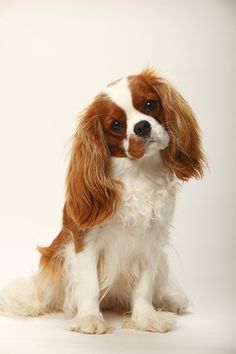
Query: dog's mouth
[
  {"x": 161, "y": 142},
  {"x": 138, "y": 146},
  {"x": 151, "y": 142}
]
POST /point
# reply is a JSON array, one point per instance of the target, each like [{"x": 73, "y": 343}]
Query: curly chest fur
[
  {"x": 148, "y": 197},
  {"x": 137, "y": 233}
]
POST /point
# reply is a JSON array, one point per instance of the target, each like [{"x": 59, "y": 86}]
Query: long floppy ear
[
  {"x": 184, "y": 155},
  {"x": 91, "y": 195}
]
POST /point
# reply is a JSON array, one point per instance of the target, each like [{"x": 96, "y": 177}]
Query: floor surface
[{"x": 195, "y": 333}]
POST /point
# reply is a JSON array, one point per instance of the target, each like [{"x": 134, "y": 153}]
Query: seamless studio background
[{"x": 55, "y": 56}]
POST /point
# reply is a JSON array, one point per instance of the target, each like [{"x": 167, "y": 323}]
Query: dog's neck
[{"x": 147, "y": 167}]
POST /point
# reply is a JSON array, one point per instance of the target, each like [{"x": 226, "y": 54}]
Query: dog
[{"x": 134, "y": 144}]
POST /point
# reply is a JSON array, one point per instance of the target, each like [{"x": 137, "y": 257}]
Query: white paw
[
  {"x": 90, "y": 325},
  {"x": 155, "y": 321},
  {"x": 175, "y": 303}
]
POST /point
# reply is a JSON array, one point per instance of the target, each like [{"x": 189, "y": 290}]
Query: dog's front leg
[
  {"x": 85, "y": 287},
  {"x": 144, "y": 316}
]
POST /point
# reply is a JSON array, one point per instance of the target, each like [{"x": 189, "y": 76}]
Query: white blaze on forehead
[{"x": 120, "y": 94}]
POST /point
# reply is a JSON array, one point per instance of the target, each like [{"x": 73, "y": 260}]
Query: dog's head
[{"x": 135, "y": 117}]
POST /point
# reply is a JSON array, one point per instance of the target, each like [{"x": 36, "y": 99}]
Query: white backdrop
[{"x": 54, "y": 57}]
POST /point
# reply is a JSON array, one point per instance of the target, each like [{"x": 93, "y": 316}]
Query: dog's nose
[{"x": 142, "y": 128}]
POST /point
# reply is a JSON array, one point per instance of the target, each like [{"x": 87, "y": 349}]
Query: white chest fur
[
  {"x": 139, "y": 229},
  {"x": 148, "y": 195}
]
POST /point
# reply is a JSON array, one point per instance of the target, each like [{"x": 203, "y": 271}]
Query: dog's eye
[
  {"x": 150, "y": 105},
  {"x": 117, "y": 126}
]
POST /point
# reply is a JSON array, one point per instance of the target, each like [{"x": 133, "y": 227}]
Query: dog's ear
[
  {"x": 91, "y": 195},
  {"x": 184, "y": 155}
]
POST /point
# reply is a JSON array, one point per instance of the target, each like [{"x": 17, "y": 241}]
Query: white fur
[
  {"x": 123, "y": 262},
  {"x": 20, "y": 298}
]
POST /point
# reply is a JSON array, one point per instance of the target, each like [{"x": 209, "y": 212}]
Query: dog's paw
[
  {"x": 90, "y": 325},
  {"x": 155, "y": 321},
  {"x": 175, "y": 303}
]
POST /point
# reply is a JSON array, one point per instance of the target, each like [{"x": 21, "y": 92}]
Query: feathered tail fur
[{"x": 43, "y": 292}]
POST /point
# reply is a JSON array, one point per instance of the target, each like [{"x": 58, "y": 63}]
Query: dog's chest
[
  {"x": 146, "y": 203},
  {"x": 148, "y": 193},
  {"x": 138, "y": 229}
]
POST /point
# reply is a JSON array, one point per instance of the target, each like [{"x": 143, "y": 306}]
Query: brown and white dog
[{"x": 133, "y": 144}]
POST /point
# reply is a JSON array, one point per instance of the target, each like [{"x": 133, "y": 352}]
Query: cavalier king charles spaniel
[{"x": 134, "y": 143}]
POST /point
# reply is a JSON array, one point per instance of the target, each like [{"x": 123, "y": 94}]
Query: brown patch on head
[
  {"x": 136, "y": 147},
  {"x": 92, "y": 194},
  {"x": 143, "y": 91},
  {"x": 184, "y": 155},
  {"x": 108, "y": 112}
]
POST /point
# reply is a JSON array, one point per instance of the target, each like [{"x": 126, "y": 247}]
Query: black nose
[{"x": 142, "y": 128}]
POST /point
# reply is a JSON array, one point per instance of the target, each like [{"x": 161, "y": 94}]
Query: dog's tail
[
  {"x": 42, "y": 293},
  {"x": 21, "y": 298},
  {"x": 37, "y": 295}
]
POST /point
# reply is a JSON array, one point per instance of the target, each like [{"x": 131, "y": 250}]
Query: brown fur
[
  {"x": 92, "y": 195},
  {"x": 52, "y": 254},
  {"x": 183, "y": 156},
  {"x": 136, "y": 147},
  {"x": 50, "y": 275},
  {"x": 107, "y": 112}
]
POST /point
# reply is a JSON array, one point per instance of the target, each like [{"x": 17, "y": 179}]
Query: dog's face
[
  {"x": 135, "y": 117},
  {"x": 132, "y": 118},
  {"x": 143, "y": 114}
]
